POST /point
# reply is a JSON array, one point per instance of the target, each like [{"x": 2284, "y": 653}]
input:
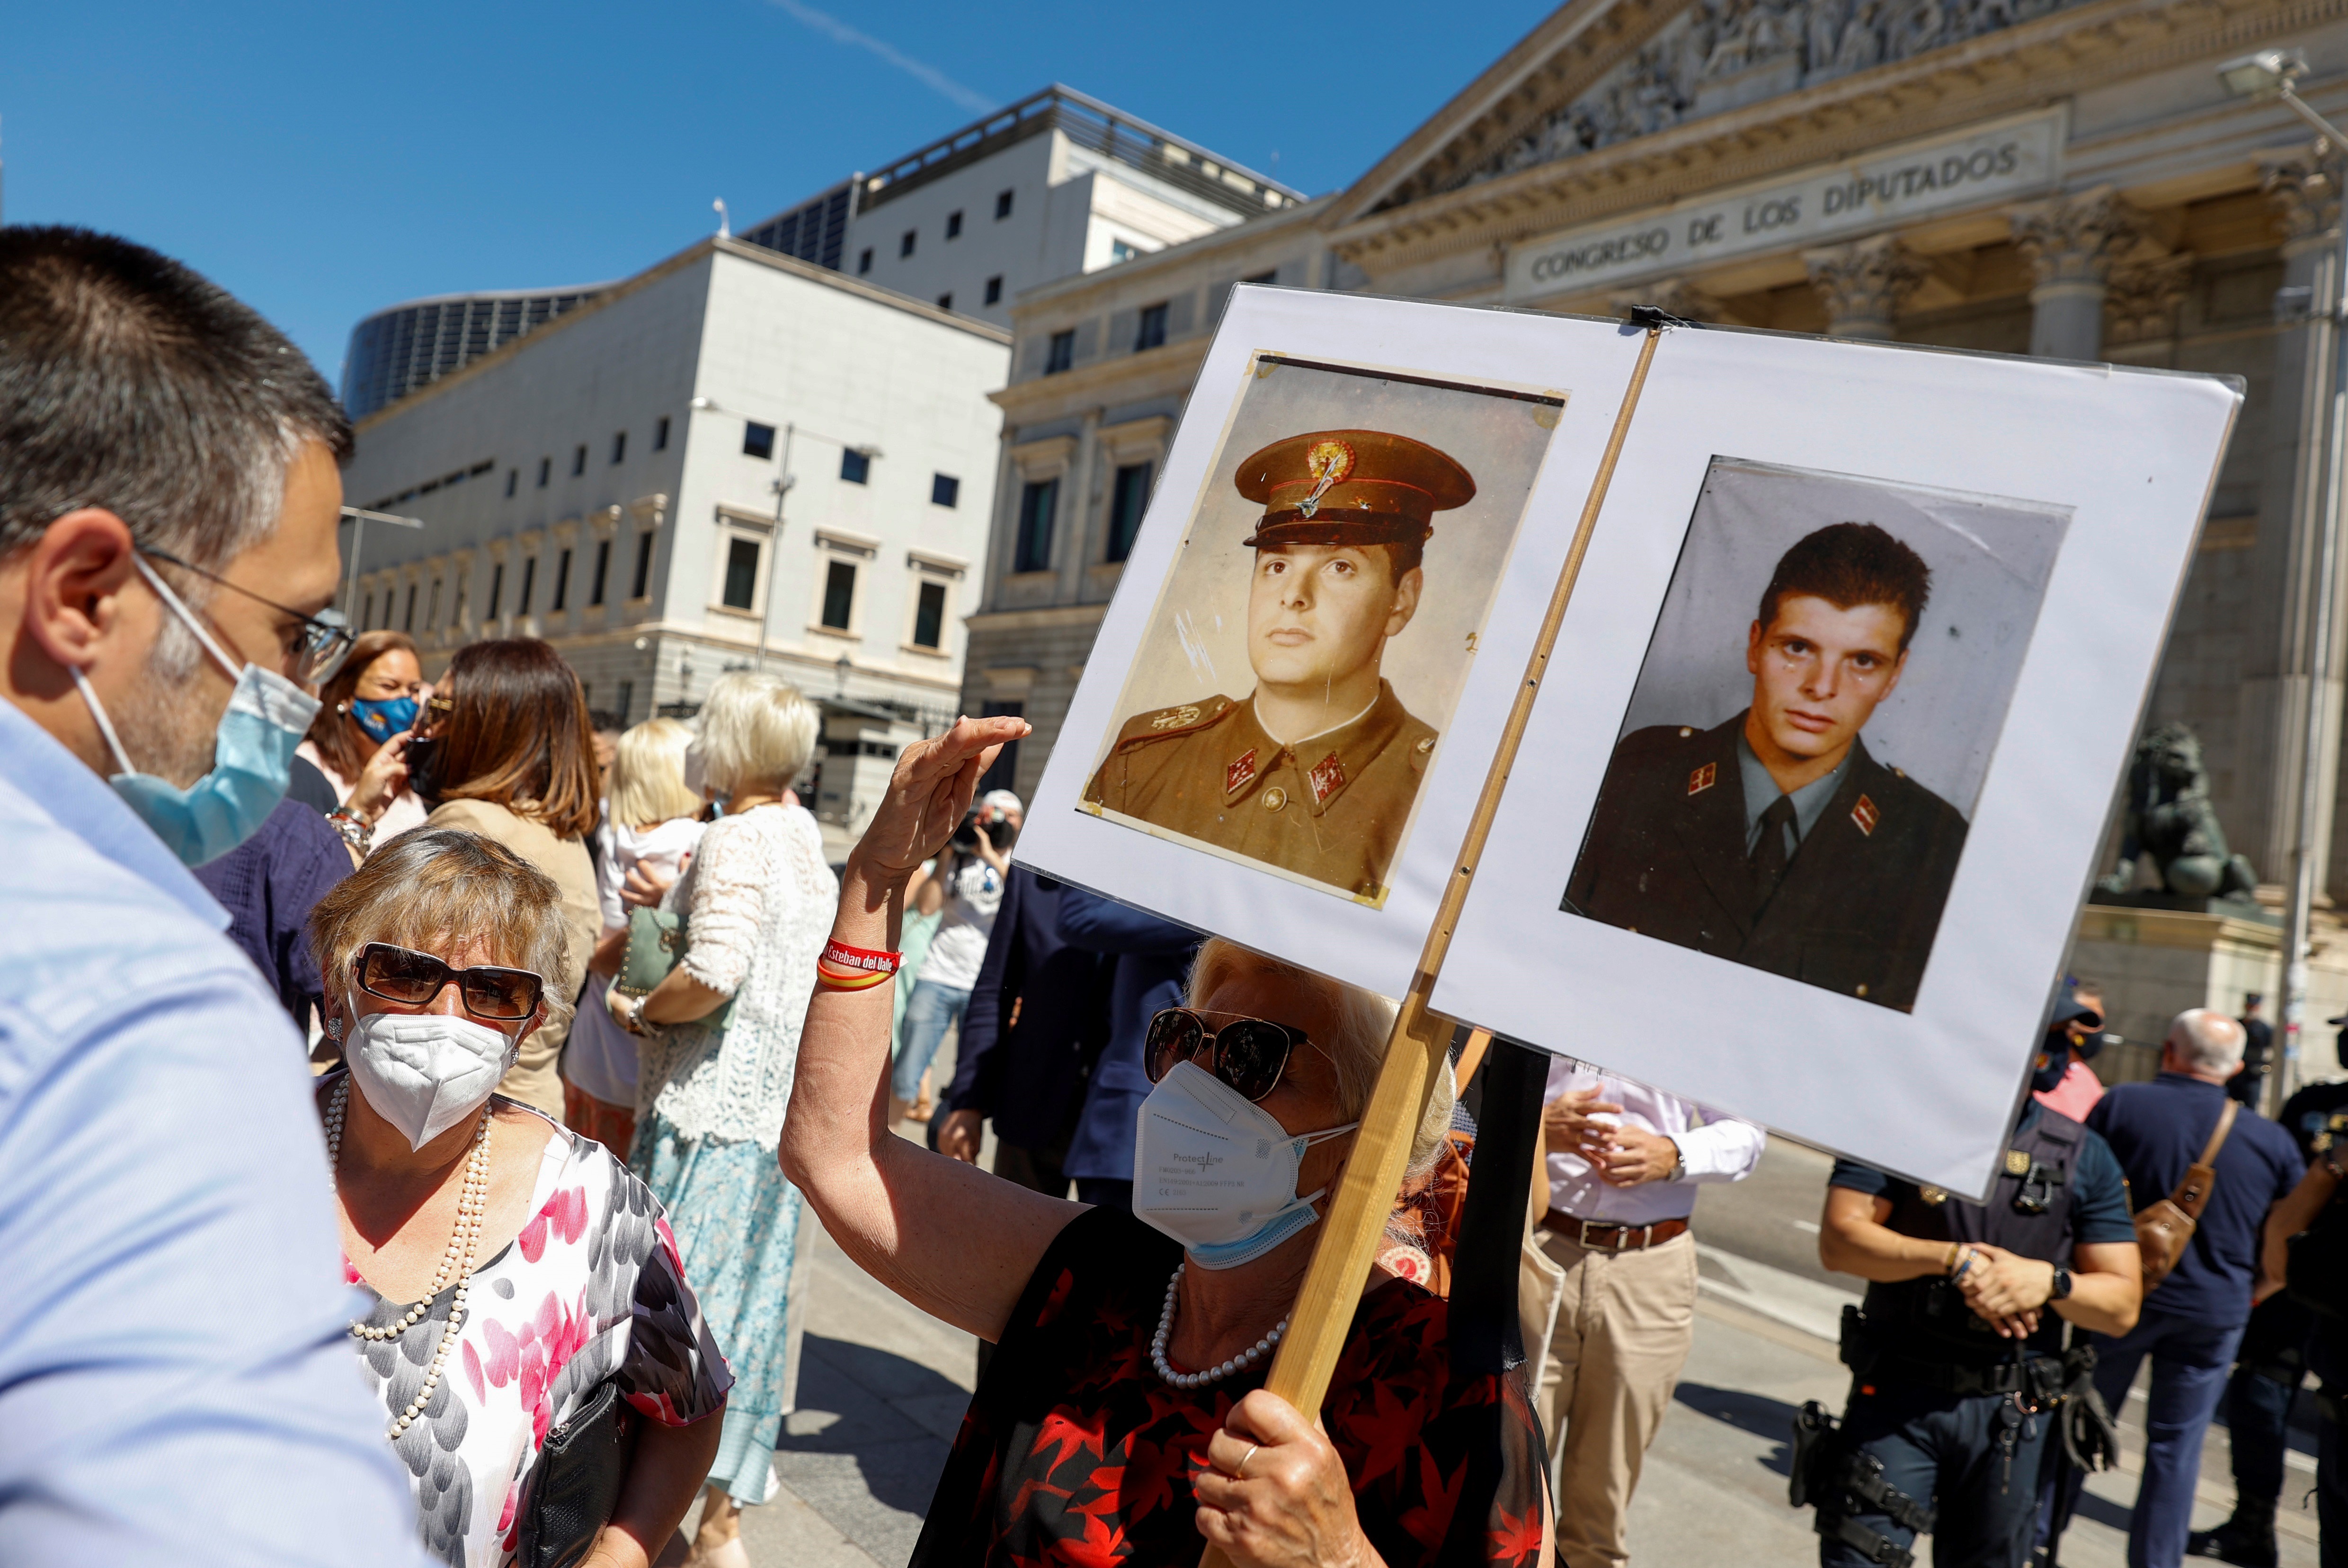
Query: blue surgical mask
[
  {"x": 383, "y": 717},
  {"x": 252, "y": 754}
]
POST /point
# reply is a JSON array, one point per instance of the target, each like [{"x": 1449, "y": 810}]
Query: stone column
[
  {"x": 2070, "y": 242},
  {"x": 2273, "y": 746},
  {"x": 2141, "y": 301},
  {"x": 1863, "y": 283}
]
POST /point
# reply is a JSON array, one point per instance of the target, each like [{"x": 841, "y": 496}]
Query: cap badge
[
  {"x": 1933, "y": 1194},
  {"x": 1329, "y": 462},
  {"x": 1186, "y": 714},
  {"x": 1239, "y": 774},
  {"x": 1328, "y": 777},
  {"x": 1703, "y": 777},
  {"x": 2017, "y": 1163},
  {"x": 1865, "y": 816}
]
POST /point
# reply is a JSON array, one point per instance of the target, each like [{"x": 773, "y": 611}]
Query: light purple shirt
[{"x": 1713, "y": 1147}]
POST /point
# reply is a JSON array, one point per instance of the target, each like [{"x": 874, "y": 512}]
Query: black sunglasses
[
  {"x": 326, "y": 636},
  {"x": 413, "y": 979},
  {"x": 1248, "y": 1054}
]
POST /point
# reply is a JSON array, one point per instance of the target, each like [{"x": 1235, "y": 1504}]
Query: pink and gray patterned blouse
[{"x": 591, "y": 1288}]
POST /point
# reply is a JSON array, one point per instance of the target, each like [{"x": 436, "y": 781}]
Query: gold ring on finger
[{"x": 1239, "y": 1471}]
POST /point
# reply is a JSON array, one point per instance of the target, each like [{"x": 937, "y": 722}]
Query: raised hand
[{"x": 928, "y": 797}]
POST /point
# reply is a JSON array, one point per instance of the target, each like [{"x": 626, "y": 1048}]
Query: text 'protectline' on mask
[
  {"x": 252, "y": 753},
  {"x": 1217, "y": 1172}
]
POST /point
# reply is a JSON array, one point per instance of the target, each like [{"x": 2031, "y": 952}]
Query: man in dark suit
[
  {"x": 1774, "y": 840},
  {"x": 2249, "y": 1086}
]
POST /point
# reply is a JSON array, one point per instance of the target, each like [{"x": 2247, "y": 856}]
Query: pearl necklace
[
  {"x": 472, "y": 1201},
  {"x": 1240, "y": 1363}
]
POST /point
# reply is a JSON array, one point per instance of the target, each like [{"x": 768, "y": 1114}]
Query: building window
[
  {"x": 856, "y": 467},
  {"x": 432, "y": 606},
  {"x": 545, "y": 471},
  {"x": 944, "y": 490},
  {"x": 1121, "y": 250},
  {"x": 602, "y": 572},
  {"x": 929, "y": 617},
  {"x": 643, "y": 579},
  {"x": 627, "y": 700},
  {"x": 1062, "y": 353},
  {"x": 561, "y": 583},
  {"x": 366, "y": 617},
  {"x": 953, "y": 225},
  {"x": 513, "y": 481},
  {"x": 758, "y": 441},
  {"x": 619, "y": 445},
  {"x": 1152, "y": 331},
  {"x": 1037, "y": 502},
  {"x": 407, "y": 620},
  {"x": 905, "y": 243},
  {"x": 529, "y": 580},
  {"x": 945, "y": 302},
  {"x": 839, "y": 595},
  {"x": 1002, "y": 205},
  {"x": 1004, "y": 774},
  {"x": 579, "y": 460},
  {"x": 497, "y": 588},
  {"x": 994, "y": 289},
  {"x": 1126, "y": 506},
  {"x": 659, "y": 434},
  {"x": 863, "y": 260},
  {"x": 741, "y": 573}
]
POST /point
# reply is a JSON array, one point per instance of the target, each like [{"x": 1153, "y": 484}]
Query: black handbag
[{"x": 576, "y": 1483}]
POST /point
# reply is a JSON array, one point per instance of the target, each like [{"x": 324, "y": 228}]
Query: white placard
[
  {"x": 2056, "y": 507},
  {"x": 1863, "y": 194},
  {"x": 1584, "y": 366}
]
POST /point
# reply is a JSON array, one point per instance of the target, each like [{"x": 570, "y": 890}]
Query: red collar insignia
[
  {"x": 1865, "y": 816},
  {"x": 1703, "y": 777},
  {"x": 1328, "y": 777},
  {"x": 1239, "y": 774}
]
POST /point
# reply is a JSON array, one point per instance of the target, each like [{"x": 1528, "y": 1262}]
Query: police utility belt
[
  {"x": 1609, "y": 1235},
  {"x": 1949, "y": 1365}
]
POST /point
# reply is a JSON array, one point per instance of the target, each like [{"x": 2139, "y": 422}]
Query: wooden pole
[
  {"x": 1420, "y": 1040},
  {"x": 1471, "y": 1055}
]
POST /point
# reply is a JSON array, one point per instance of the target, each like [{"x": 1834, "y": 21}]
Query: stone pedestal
[{"x": 2153, "y": 963}]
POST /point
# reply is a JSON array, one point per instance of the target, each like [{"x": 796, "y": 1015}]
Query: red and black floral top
[{"x": 1075, "y": 1454}]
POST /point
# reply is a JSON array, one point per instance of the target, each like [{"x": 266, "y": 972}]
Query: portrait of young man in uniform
[
  {"x": 1316, "y": 768},
  {"x": 1774, "y": 839}
]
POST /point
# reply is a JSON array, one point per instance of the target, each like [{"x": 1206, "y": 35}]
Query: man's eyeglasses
[
  {"x": 1249, "y": 1054},
  {"x": 413, "y": 979},
  {"x": 326, "y": 636}
]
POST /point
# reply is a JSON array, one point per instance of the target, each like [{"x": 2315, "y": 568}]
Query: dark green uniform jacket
[{"x": 1858, "y": 905}]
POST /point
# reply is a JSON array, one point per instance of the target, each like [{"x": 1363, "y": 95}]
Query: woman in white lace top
[{"x": 711, "y": 1087}]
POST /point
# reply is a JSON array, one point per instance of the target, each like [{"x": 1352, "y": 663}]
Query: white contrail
[{"x": 840, "y": 32}]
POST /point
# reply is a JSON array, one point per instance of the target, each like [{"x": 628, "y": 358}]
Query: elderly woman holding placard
[{"x": 1124, "y": 1407}]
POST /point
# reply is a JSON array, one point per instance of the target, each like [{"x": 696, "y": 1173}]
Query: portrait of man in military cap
[
  {"x": 1311, "y": 761},
  {"x": 1774, "y": 838}
]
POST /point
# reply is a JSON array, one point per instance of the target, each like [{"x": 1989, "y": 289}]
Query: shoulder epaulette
[{"x": 1165, "y": 723}]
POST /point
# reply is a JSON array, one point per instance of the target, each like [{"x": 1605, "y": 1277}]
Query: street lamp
[
  {"x": 360, "y": 517},
  {"x": 2270, "y": 74}
]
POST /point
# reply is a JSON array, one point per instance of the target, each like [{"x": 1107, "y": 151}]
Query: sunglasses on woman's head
[
  {"x": 1248, "y": 1054},
  {"x": 413, "y": 979}
]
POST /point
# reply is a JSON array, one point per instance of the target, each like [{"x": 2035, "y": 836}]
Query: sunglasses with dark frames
[
  {"x": 1248, "y": 1054},
  {"x": 326, "y": 636},
  {"x": 413, "y": 979}
]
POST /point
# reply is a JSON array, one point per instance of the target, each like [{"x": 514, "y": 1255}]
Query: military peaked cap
[{"x": 1350, "y": 487}]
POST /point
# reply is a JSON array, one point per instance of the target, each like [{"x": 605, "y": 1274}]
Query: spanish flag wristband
[{"x": 844, "y": 968}]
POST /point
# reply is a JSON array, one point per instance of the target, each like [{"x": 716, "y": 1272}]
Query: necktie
[{"x": 1769, "y": 853}]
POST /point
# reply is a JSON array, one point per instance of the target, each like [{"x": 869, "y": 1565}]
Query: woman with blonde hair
[
  {"x": 652, "y": 821},
  {"x": 1124, "y": 1399},
  {"x": 710, "y": 1098}
]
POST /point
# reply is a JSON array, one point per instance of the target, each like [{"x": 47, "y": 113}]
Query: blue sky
[{"x": 323, "y": 161}]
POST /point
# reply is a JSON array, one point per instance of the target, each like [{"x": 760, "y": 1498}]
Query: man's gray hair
[
  {"x": 2206, "y": 1041},
  {"x": 129, "y": 382}
]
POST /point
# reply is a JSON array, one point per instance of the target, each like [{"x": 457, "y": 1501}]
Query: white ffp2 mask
[
  {"x": 425, "y": 1072},
  {"x": 1215, "y": 1172}
]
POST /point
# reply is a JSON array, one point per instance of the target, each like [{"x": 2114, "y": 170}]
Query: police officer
[
  {"x": 1776, "y": 839},
  {"x": 1316, "y": 769},
  {"x": 1957, "y": 1355}
]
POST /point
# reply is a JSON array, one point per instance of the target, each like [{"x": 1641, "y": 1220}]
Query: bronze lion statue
[{"x": 2171, "y": 824}]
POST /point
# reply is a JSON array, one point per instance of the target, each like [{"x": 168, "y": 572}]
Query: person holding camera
[{"x": 966, "y": 885}]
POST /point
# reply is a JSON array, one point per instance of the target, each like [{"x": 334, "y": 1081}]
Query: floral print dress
[
  {"x": 1075, "y": 1454},
  {"x": 591, "y": 1288}
]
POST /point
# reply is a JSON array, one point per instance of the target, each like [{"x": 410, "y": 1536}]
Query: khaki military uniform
[{"x": 1331, "y": 809}]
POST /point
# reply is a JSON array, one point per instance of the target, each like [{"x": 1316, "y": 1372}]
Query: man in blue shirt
[
  {"x": 2193, "y": 1320},
  {"x": 175, "y": 1381}
]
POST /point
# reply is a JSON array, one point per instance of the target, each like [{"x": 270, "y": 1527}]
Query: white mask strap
[
  {"x": 1327, "y": 1133},
  {"x": 104, "y": 725},
  {"x": 179, "y": 607}
]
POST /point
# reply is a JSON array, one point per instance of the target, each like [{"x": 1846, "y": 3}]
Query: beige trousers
[{"x": 1622, "y": 1331}]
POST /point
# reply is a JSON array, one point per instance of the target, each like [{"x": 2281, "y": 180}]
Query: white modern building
[
  {"x": 1056, "y": 184},
  {"x": 734, "y": 457}
]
